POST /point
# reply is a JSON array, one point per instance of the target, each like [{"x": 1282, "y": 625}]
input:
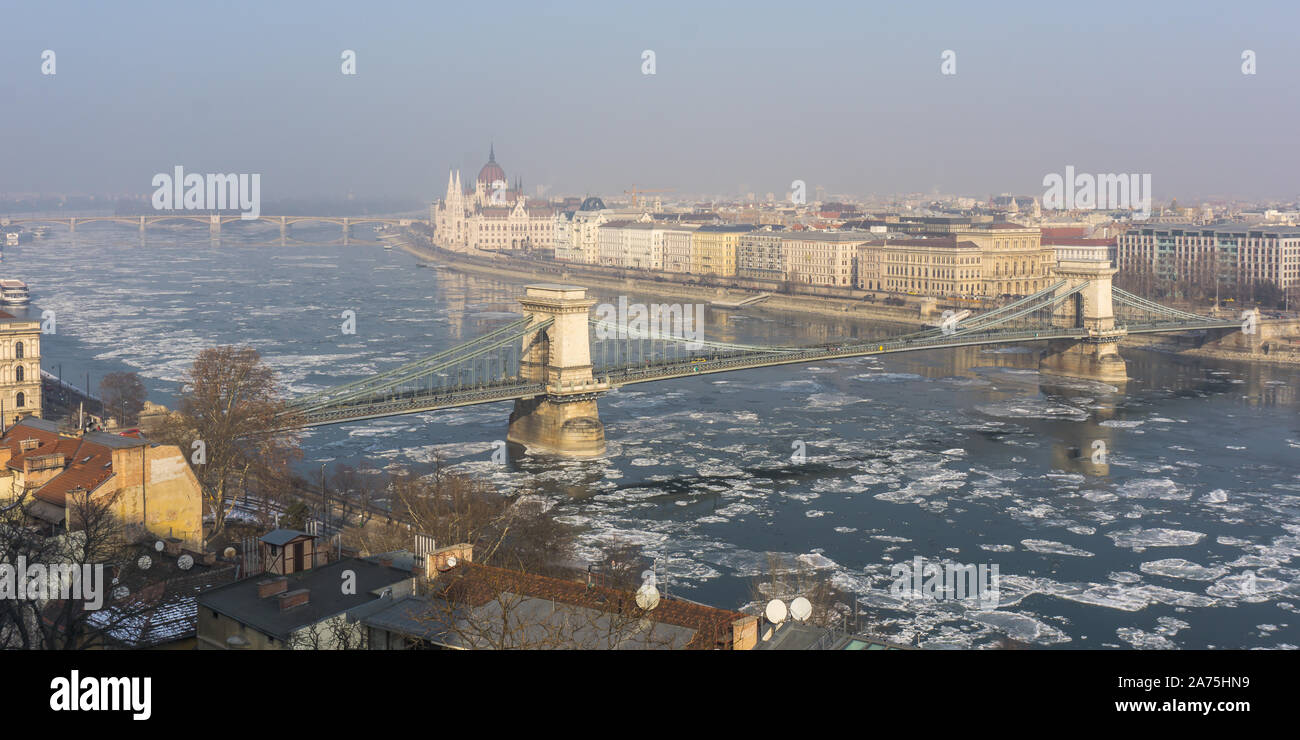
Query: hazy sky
[{"x": 748, "y": 95}]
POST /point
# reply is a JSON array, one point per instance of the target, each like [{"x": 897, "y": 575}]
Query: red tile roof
[
  {"x": 87, "y": 465},
  {"x": 1075, "y": 241},
  {"x": 474, "y": 585}
]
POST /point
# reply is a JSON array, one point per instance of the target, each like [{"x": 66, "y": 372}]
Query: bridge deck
[{"x": 650, "y": 372}]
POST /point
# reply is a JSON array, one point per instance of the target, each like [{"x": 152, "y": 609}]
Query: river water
[{"x": 1184, "y": 533}]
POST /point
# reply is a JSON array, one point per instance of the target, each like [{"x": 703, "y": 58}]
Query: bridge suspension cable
[
  {"x": 661, "y": 337},
  {"x": 1049, "y": 302},
  {"x": 426, "y": 367},
  {"x": 1135, "y": 301}
]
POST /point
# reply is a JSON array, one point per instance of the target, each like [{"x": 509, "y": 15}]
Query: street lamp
[{"x": 324, "y": 496}]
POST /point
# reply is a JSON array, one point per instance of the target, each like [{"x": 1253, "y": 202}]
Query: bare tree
[
  {"x": 65, "y": 615},
  {"x": 231, "y": 412},
  {"x": 493, "y": 608},
  {"x": 787, "y": 579},
  {"x": 338, "y": 633},
  {"x": 452, "y": 507},
  {"x": 123, "y": 395}
]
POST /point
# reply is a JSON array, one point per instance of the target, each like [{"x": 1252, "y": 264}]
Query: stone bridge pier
[
  {"x": 564, "y": 420},
  {"x": 1096, "y": 356}
]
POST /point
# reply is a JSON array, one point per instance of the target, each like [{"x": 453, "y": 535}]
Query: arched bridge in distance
[
  {"x": 558, "y": 360},
  {"x": 213, "y": 221}
]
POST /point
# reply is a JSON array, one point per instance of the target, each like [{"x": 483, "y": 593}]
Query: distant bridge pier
[
  {"x": 563, "y": 421},
  {"x": 72, "y": 225},
  {"x": 214, "y": 225},
  {"x": 1096, "y": 356},
  {"x": 142, "y": 225}
]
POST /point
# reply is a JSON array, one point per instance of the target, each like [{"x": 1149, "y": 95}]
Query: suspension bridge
[{"x": 557, "y": 360}]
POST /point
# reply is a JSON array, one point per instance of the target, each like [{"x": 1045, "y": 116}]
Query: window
[
  {"x": 18, "y": 350},
  {"x": 20, "y": 400},
  {"x": 18, "y": 373}
]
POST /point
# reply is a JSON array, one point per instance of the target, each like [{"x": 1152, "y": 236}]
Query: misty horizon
[{"x": 845, "y": 98}]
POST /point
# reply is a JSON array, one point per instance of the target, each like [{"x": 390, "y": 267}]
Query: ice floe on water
[
  {"x": 832, "y": 401},
  {"x": 1217, "y": 496},
  {"x": 1179, "y": 568},
  {"x": 1033, "y": 408},
  {"x": 1156, "y": 488},
  {"x": 1052, "y": 547},
  {"x": 1159, "y": 639},
  {"x": 817, "y": 561},
  {"x": 1247, "y": 586},
  {"x": 1020, "y": 627},
  {"x": 967, "y": 382},
  {"x": 883, "y": 377},
  {"x": 1139, "y": 539},
  {"x": 998, "y": 548}
]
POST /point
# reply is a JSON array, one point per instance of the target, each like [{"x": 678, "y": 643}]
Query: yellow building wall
[
  {"x": 172, "y": 501},
  {"x": 213, "y": 629},
  {"x": 1014, "y": 260},
  {"x": 714, "y": 253}
]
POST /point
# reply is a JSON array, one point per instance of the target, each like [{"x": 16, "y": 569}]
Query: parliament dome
[{"x": 491, "y": 171}]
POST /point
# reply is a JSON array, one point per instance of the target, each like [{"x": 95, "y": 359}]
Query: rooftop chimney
[
  {"x": 445, "y": 558},
  {"x": 272, "y": 586},
  {"x": 744, "y": 633},
  {"x": 293, "y": 598},
  {"x": 37, "y": 463}
]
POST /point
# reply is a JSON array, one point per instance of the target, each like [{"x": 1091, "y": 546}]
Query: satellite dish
[
  {"x": 144, "y": 562},
  {"x": 159, "y": 545},
  {"x": 229, "y": 552},
  {"x": 452, "y": 561},
  {"x": 185, "y": 562},
  {"x": 801, "y": 609},
  {"x": 647, "y": 597},
  {"x": 775, "y": 611}
]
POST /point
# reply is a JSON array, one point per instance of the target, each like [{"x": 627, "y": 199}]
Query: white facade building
[{"x": 491, "y": 217}]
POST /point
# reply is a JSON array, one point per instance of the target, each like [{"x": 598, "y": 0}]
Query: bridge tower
[
  {"x": 1096, "y": 356},
  {"x": 214, "y": 225},
  {"x": 564, "y": 420}
]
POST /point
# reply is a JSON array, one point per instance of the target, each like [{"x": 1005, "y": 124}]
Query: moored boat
[{"x": 14, "y": 293}]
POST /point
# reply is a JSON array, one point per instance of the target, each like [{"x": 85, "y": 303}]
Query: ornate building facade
[
  {"x": 492, "y": 216},
  {"x": 20, "y": 368}
]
